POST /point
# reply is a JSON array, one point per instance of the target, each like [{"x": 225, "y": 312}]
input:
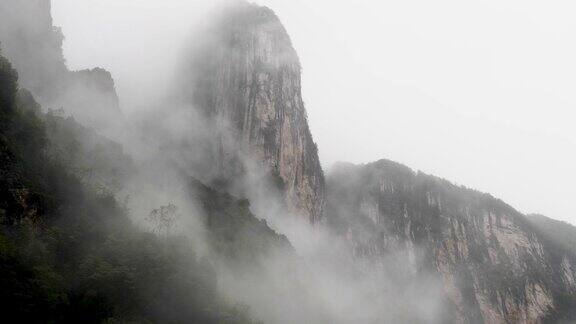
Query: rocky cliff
[
  {"x": 29, "y": 39},
  {"x": 244, "y": 77},
  {"x": 494, "y": 265}
]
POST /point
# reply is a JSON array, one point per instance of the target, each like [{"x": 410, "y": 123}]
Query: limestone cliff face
[
  {"x": 29, "y": 39},
  {"x": 245, "y": 78},
  {"x": 494, "y": 265}
]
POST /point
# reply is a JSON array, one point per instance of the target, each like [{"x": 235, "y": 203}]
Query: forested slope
[{"x": 70, "y": 254}]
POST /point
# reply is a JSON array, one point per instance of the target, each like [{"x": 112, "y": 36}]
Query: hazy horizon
[{"x": 488, "y": 105}]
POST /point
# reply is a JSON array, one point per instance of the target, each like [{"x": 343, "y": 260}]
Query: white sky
[{"x": 482, "y": 93}]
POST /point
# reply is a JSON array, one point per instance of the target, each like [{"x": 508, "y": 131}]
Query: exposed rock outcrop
[
  {"x": 495, "y": 266},
  {"x": 29, "y": 39},
  {"x": 245, "y": 78}
]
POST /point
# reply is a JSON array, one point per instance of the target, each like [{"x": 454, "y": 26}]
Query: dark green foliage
[
  {"x": 8, "y": 88},
  {"x": 235, "y": 232},
  {"x": 69, "y": 254},
  {"x": 95, "y": 160}
]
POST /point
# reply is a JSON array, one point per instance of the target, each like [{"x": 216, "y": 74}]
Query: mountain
[
  {"x": 244, "y": 78},
  {"x": 559, "y": 233},
  {"x": 69, "y": 253},
  {"x": 495, "y": 266},
  {"x": 177, "y": 228},
  {"x": 71, "y": 249},
  {"x": 33, "y": 45}
]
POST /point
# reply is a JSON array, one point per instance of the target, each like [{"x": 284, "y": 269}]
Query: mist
[
  {"x": 169, "y": 143},
  {"x": 144, "y": 107},
  {"x": 317, "y": 278},
  {"x": 501, "y": 97}
]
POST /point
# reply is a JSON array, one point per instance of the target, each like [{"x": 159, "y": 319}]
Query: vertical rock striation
[
  {"x": 245, "y": 78},
  {"x": 495, "y": 266}
]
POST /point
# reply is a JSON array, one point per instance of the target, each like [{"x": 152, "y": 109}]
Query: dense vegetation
[
  {"x": 69, "y": 253},
  {"x": 236, "y": 234}
]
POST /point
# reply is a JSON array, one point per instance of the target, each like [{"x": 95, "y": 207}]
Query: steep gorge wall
[
  {"x": 245, "y": 77},
  {"x": 495, "y": 267}
]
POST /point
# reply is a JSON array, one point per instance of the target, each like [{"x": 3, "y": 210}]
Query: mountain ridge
[
  {"x": 494, "y": 265},
  {"x": 245, "y": 78}
]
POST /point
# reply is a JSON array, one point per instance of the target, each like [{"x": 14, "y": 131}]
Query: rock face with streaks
[
  {"x": 244, "y": 78},
  {"x": 495, "y": 266}
]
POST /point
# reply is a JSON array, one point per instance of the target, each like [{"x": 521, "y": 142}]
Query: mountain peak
[{"x": 244, "y": 76}]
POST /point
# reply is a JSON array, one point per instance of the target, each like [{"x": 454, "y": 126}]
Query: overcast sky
[{"x": 482, "y": 93}]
